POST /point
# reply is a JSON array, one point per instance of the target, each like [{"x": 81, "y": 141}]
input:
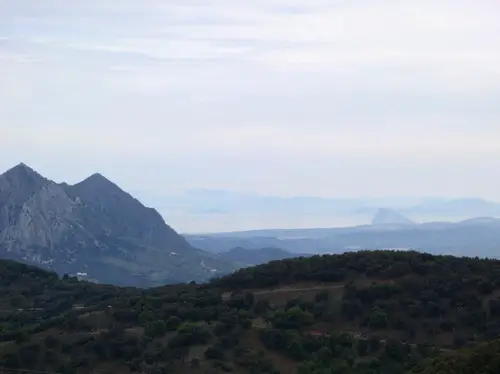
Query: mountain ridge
[
  {"x": 480, "y": 236},
  {"x": 94, "y": 227},
  {"x": 221, "y": 211}
]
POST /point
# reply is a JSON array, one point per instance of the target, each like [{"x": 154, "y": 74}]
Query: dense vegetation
[
  {"x": 357, "y": 313},
  {"x": 483, "y": 359},
  {"x": 67, "y": 326},
  {"x": 350, "y": 265}
]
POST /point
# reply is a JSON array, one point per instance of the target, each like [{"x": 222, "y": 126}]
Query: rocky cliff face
[{"x": 94, "y": 228}]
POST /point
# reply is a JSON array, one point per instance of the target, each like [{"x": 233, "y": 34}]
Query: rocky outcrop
[
  {"x": 94, "y": 227},
  {"x": 390, "y": 217}
]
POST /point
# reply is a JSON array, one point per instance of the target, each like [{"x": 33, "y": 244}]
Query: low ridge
[{"x": 244, "y": 257}]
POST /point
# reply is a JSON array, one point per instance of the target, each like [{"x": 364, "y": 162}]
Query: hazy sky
[{"x": 278, "y": 97}]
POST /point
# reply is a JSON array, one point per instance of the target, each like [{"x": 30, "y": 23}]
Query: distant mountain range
[
  {"x": 99, "y": 232},
  {"x": 472, "y": 237},
  {"x": 202, "y": 211},
  {"x": 96, "y": 230}
]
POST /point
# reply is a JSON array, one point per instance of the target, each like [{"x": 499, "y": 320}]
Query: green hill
[{"x": 357, "y": 313}]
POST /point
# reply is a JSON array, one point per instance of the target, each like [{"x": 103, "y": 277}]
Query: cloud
[{"x": 261, "y": 95}]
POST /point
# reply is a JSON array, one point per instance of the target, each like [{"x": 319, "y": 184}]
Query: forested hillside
[
  {"x": 483, "y": 359},
  {"x": 357, "y": 313}
]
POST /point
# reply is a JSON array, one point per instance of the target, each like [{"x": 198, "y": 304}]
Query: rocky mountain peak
[
  {"x": 97, "y": 182},
  {"x": 97, "y": 178},
  {"x": 99, "y": 190},
  {"x": 17, "y": 185},
  {"x": 22, "y": 174},
  {"x": 94, "y": 227}
]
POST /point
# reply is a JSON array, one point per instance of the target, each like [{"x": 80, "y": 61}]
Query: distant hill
[
  {"x": 390, "y": 217},
  {"x": 474, "y": 237},
  {"x": 232, "y": 202},
  {"x": 481, "y": 221},
  {"x": 218, "y": 244},
  {"x": 94, "y": 229},
  {"x": 250, "y": 257},
  {"x": 218, "y": 211}
]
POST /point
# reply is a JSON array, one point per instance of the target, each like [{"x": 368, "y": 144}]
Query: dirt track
[{"x": 284, "y": 289}]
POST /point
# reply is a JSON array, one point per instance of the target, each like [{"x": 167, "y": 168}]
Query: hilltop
[{"x": 96, "y": 230}]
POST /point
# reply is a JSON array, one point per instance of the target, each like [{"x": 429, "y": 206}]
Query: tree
[
  {"x": 195, "y": 363},
  {"x": 397, "y": 351},
  {"x": 21, "y": 337},
  {"x": 325, "y": 355},
  {"x": 292, "y": 318},
  {"x": 156, "y": 329},
  {"x": 261, "y": 306},
  {"x": 50, "y": 341},
  {"x": 296, "y": 350},
  {"x": 374, "y": 343},
  {"x": 363, "y": 347},
  {"x": 378, "y": 319},
  {"x": 321, "y": 297},
  {"x": 216, "y": 352},
  {"x": 242, "y": 301},
  {"x": 352, "y": 308},
  {"x": 172, "y": 323}
]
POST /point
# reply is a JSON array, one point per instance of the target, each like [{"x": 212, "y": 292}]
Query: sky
[{"x": 272, "y": 97}]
